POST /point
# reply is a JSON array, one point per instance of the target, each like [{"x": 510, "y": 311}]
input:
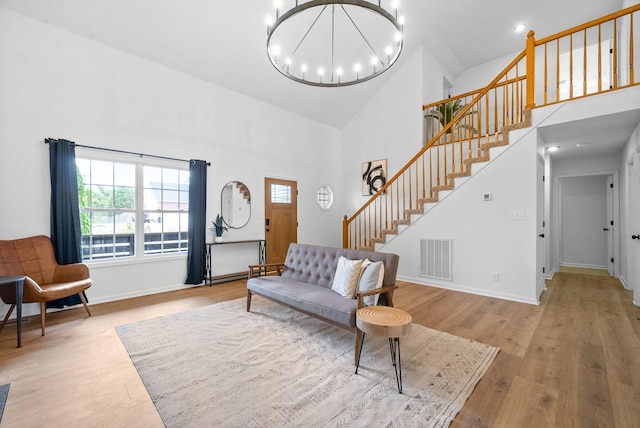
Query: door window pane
[{"x": 280, "y": 194}]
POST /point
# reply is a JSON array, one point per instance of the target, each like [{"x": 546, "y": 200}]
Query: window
[
  {"x": 280, "y": 194},
  {"x": 127, "y": 209},
  {"x": 324, "y": 197}
]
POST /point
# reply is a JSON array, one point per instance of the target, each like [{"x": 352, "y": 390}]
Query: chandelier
[{"x": 334, "y": 43}]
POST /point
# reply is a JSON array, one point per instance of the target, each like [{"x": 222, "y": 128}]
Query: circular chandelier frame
[{"x": 376, "y": 8}]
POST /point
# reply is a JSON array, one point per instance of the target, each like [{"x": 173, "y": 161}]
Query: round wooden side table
[{"x": 388, "y": 322}]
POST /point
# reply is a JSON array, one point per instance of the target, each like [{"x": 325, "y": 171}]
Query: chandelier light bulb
[
  {"x": 269, "y": 20},
  {"x": 303, "y": 68},
  {"x": 395, "y": 4},
  {"x": 339, "y": 71},
  {"x": 388, "y": 51},
  {"x": 398, "y": 36},
  {"x": 357, "y": 67},
  {"x": 275, "y": 51},
  {"x": 277, "y": 4},
  {"x": 287, "y": 61},
  {"x": 401, "y": 20},
  {"x": 321, "y": 71}
]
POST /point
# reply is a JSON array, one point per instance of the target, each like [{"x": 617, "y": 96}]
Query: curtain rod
[{"x": 47, "y": 140}]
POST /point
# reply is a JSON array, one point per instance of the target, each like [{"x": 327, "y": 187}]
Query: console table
[
  {"x": 262, "y": 251},
  {"x": 18, "y": 281}
]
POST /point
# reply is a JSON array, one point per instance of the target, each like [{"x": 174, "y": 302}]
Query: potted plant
[
  {"x": 218, "y": 228},
  {"x": 446, "y": 111}
]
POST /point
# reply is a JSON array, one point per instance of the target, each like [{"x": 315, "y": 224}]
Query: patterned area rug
[{"x": 274, "y": 367}]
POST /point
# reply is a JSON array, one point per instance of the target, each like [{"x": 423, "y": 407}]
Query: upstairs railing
[{"x": 588, "y": 59}]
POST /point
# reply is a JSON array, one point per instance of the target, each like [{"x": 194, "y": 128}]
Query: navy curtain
[
  {"x": 197, "y": 222},
  {"x": 65, "y": 210}
]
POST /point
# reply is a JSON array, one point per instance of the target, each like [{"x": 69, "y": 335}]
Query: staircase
[
  {"x": 483, "y": 155},
  {"x": 571, "y": 65}
]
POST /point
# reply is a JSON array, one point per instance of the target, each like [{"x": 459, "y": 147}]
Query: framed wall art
[{"x": 374, "y": 176}]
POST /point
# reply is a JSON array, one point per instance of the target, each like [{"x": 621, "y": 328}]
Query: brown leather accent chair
[{"x": 45, "y": 279}]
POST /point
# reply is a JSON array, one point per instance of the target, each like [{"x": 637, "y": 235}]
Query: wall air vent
[{"x": 435, "y": 258}]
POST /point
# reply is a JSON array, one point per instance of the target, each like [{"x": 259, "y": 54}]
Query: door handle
[
  {"x": 541, "y": 235},
  {"x": 635, "y": 236},
  {"x": 606, "y": 229},
  {"x": 267, "y": 230}
]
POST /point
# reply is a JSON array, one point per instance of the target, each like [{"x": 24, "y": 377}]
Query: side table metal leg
[
  {"x": 360, "y": 353},
  {"x": 394, "y": 347},
  {"x": 19, "y": 295}
]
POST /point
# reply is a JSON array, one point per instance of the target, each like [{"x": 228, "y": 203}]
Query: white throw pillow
[
  {"x": 345, "y": 281},
  {"x": 370, "y": 279}
]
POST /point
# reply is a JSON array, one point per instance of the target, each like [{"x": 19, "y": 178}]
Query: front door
[{"x": 281, "y": 217}]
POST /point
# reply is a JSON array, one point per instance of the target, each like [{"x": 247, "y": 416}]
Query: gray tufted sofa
[{"x": 303, "y": 282}]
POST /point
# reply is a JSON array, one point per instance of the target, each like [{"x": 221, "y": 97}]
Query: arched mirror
[{"x": 235, "y": 204}]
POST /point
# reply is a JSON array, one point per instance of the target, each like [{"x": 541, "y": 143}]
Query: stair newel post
[
  {"x": 345, "y": 233},
  {"x": 531, "y": 69}
]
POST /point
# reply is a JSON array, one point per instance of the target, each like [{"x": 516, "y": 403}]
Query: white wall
[
  {"x": 480, "y": 76},
  {"x": 388, "y": 127},
  {"x": 432, "y": 78},
  {"x": 56, "y": 84}
]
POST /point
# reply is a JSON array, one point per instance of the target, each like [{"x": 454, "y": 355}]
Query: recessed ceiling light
[
  {"x": 519, "y": 28},
  {"x": 553, "y": 149}
]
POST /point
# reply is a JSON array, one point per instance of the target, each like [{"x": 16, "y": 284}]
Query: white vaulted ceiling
[{"x": 224, "y": 42}]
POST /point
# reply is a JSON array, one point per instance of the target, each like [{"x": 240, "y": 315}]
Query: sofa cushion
[
  {"x": 345, "y": 281},
  {"x": 309, "y": 298},
  {"x": 371, "y": 279}
]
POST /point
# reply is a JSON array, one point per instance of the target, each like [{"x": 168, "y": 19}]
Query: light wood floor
[{"x": 573, "y": 361}]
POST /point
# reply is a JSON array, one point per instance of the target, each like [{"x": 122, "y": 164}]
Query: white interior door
[
  {"x": 540, "y": 243},
  {"x": 633, "y": 237}
]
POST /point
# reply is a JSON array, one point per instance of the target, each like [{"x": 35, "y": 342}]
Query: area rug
[
  {"x": 4, "y": 393},
  {"x": 274, "y": 367}
]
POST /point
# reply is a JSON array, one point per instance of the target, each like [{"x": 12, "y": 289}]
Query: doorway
[
  {"x": 281, "y": 217},
  {"x": 633, "y": 230},
  {"x": 587, "y": 234}
]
